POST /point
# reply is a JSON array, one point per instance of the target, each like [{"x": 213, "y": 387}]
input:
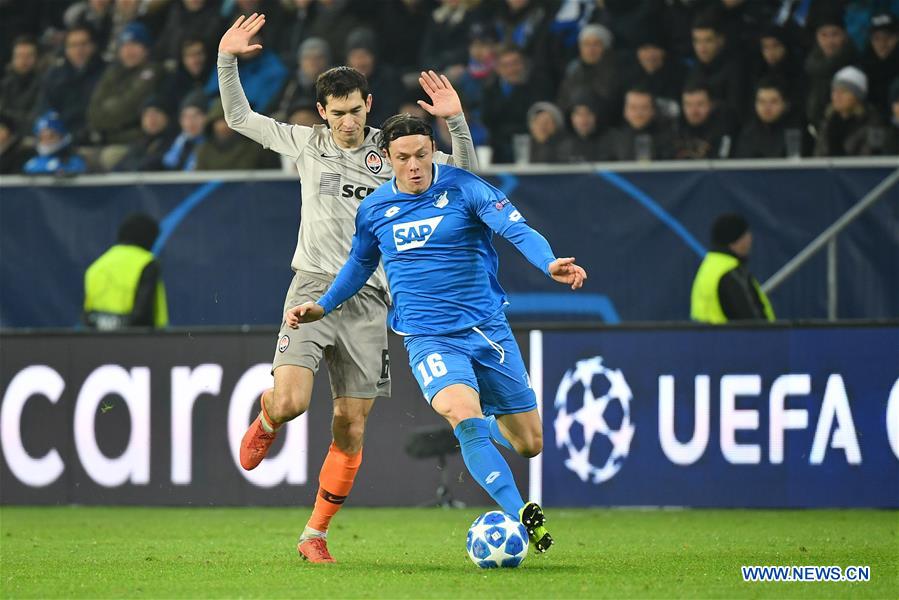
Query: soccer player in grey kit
[{"x": 339, "y": 164}]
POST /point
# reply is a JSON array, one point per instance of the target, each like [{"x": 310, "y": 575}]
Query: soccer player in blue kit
[{"x": 432, "y": 225}]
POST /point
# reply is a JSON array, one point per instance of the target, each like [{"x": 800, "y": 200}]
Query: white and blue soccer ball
[{"x": 497, "y": 539}]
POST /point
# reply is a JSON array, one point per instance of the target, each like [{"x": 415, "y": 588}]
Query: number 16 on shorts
[{"x": 429, "y": 369}]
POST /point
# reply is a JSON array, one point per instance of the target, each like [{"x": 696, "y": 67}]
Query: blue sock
[
  {"x": 497, "y": 434},
  {"x": 487, "y": 465}
]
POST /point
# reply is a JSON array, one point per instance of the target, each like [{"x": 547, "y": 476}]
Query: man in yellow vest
[
  {"x": 123, "y": 288},
  {"x": 724, "y": 290}
]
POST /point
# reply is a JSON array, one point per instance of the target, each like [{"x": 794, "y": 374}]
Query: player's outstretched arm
[
  {"x": 505, "y": 220},
  {"x": 445, "y": 103},
  {"x": 362, "y": 262},
  {"x": 443, "y": 95},
  {"x": 288, "y": 140},
  {"x": 307, "y": 312},
  {"x": 236, "y": 40},
  {"x": 564, "y": 270}
]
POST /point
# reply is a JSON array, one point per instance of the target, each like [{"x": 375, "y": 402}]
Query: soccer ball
[{"x": 497, "y": 539}]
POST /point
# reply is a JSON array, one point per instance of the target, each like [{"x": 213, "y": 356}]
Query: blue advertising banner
[
  {"x": 226, "y": 246},
  {"x": 773, "y": 417}
]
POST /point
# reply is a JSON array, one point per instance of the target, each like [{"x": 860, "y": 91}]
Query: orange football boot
[
  {"x": 256, "y": 442},
  {"x": 315, "y": 550}
]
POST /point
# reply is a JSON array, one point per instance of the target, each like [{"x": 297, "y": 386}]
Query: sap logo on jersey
[{"x": 414, "y": 234}]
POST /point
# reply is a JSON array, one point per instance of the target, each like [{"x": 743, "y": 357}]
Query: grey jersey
[{"x": 334, "y": 180}]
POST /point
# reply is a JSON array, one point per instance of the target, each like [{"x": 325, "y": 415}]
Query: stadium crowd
[{"x": 130, "y": 85}]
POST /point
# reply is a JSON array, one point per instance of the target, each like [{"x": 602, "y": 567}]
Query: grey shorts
[{"x": 353, "y": 339}]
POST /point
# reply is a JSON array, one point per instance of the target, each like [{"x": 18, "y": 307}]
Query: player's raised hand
[
  {"x": 445, "y": 100},
  {"x": 565, "y": 271},
  {"x": 236, "y": 40},
  {"x": 304, "y": 313}
]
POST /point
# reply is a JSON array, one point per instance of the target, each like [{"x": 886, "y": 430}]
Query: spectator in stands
[
  {"x": 582, "y": 144},
  {"x": 629, "y": 20},
  {"x": 21, "y": 84},
  {"x": 157, "y": 132},
  {"x": 522, "y": 23},
  {"x": 779, "y": 59},
  {"x": 182, "y": 154},
  {"x": 506, "y": 102},
  {"x": 832, "y": 52},
  {"x": 313, "y": 59},
  {"x": 703, "y": 131},
  {"x": 114, "y": 109},
  {"x": 67, "y": 88},
  {"x": 305, "y": 114},
  {"x": 593, "y": 71},
  {"x": 880, "y": 61},
  {"x": 891, "y": 145},
  {"x": 190, "y": 75},
  {"x": 95, "y": 14},
  {"x": 298, "y": 17},
  {"x": 124, "y": 288},
  {"x": 724, "y": 290},
  {"x": 273, "y": 10},
  {"x": 481, "y": 67},
  {"x": 383, "y": 81},
  {"x": 742, "y": 20},
  {"x": 226, "y": 150},
  {"x": 262, "y": 75},
  {"x": 403, "y": 22},
  {"x": 124, "y": 14},
  {"x": 652, "y": 67},
  {"x": 188, "y": 20},
  {"x": 331, "y": 20},
  {"x": 643, "y": 136},
  {"x": 851, "y": 127},
  {"x": 546, "y": 126},
  {"x": 772, "y": 126},
  {"x": 445, "y": 44},
  {"x": 55, "y": 153},
  {"x": 717, "y": 65},
  {"x": 13, "y": 153}
]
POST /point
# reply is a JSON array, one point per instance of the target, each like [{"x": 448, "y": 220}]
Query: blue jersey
[{"x": 437, "y": 251}]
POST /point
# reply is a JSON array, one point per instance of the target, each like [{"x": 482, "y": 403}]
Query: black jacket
[
  {"x": 18, "y": 98},
  {"x": 820, "y": 71},
  {"x": 737, "y": 294},
  {"x": 708, "y": 141},
  {"x": 620, "y": 143},
  {"x": 768, "y": 140},
  {"x": 881, "y": 74},
  {"x": 68, "y": 90},
  {"x": 725, "y": 78},
  {"x": 505, "y": 116}
]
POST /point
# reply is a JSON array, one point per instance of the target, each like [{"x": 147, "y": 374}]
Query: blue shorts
[{"x": 485, "y": 358}]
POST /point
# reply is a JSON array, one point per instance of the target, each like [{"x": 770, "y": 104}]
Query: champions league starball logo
[{"x": 593, "y": 420}]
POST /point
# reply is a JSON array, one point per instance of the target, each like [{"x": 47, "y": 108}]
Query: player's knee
[
  {"x": 531, "y": 444},
  {"x": 348, "y": 427},
  {"x": 456, "y": 414},
  {"x": 348, "y": 437},
  {"x": 287, "y": 403}
]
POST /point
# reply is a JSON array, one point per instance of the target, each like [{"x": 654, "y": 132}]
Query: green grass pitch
[{"x": 100, "y": 552}]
